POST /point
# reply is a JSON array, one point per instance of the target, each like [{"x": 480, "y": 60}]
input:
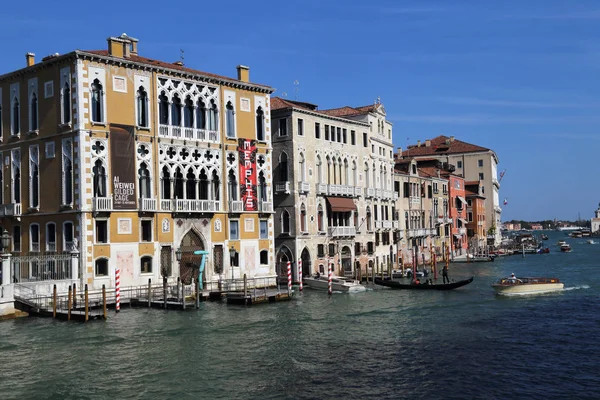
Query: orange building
[
  {"x": 458, "y": 213},
  {"x": 475, "y": 215}
]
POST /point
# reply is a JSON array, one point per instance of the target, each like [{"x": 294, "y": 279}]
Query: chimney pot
[
  {"x": 30, "y": 58},
  {"x": 428, "y": 143},
  {"x": 451, "y": 139},
  {"x": 418, "y": 143},
  {"x": 243, "y": 73}
]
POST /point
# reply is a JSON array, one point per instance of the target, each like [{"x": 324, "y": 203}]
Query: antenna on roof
[
  {"x": 182, "y": 56},
  {"x": 296, "y": 89}
]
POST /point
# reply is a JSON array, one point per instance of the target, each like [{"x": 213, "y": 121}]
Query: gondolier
[{"x": 445, "y": 274}]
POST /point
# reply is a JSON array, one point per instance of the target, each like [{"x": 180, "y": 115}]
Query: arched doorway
[
  {"x": 306, "y": 262},
  {"x": 283, "y": 257},
  {"x": 189, "y": 266},
  {"x": 347, "y": 261}
]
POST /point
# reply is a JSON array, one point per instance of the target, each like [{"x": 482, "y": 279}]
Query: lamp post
[
  {"x": 232, "y": 253},
  {"x": 5, "y": 239},
  {"x": 178, "y": 254}
]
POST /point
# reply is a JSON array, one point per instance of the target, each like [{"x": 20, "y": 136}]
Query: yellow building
[{"x": 127, "y": 159}]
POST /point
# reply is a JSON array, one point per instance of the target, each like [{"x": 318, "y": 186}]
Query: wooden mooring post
[
  {"x": 87, "y": 304},
  {"x": 245, "y": 286},
  {"x": 198, "y": 293},
  {"x": 149, "y": 292},
  {"x": 69, "y": 304},
  {"x": 165, "y": 292},
  {"x": 177, "y": 288},
  {"x": 74, "y": 295},
  {"x": 182, "y": 295},
  {"x": 104, "y": 301},
  {"x": 54, "y": 302}
]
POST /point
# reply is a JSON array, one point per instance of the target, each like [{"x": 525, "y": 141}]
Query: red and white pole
[
  {"x": 289, "y": 266},
  {"x": 300, "y": 273},
  {"x": 117, "y": 290},
  {"x": 329, "y": 288}
]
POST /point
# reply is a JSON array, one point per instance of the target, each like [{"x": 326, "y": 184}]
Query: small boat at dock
[
  {"x": 338, "y": 284},
  {"x": 514, "y": 285},
  {"x": 422, "y": 286}
]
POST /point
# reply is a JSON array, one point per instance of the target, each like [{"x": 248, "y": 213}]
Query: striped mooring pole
[
  {"x": 289, "y": 272},
  {"x": 329, "y": 288},
  {"x": 300, "y": 273},
  {"x": 118, "y": 290}
]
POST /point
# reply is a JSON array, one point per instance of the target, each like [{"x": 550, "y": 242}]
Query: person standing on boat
[{"x": 445, "y": 274}]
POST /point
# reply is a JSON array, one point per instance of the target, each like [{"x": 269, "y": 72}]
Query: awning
[
  {"x": 341, "y": 204},
  {"x": 464, "y": 221},
  {"x": 462, "y": 199}
]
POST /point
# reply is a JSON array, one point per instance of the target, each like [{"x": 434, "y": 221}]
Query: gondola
[{"x": 422, "y": 286}]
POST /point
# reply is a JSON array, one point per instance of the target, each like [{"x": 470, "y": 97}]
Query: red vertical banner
[{"x": 247, "y": 155}]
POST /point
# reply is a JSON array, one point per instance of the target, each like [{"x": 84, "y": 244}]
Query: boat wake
[{"x": 577, "y": 287}]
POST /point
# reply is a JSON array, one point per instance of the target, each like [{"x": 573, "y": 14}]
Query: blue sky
[{"x": 518, "y": 77}]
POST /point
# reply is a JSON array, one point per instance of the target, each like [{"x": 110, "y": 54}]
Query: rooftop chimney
[
  {"x": 122, "y": 46},
  {"x": 428, "y": 143},
  {"x": 30, "y": 57},
  {"x": 418, "y": 143},
  {"x": 451, "y": 139},
  {"x": 243, "y": 73}
]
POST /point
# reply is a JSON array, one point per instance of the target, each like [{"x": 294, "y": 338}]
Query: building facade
[
  {"x": 127, "y": 159},
  {"x": 333, "y": 197},
  {"x": 475, "y": 216},
  {"x": 473, "y": 163}
]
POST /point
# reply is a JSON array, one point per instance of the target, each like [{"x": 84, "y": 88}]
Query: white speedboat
[
  {"x": 591, "y": 241},
  {"x": 527, "y": 285},
  {"x": 338, "y": 284}
]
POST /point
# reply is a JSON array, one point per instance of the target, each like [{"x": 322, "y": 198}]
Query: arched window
[
  {"x": 303, "y": 218},
  {"x": 68, "y": 236},
  {"x": 97, "y": 101},
  {"x": 264, "y": 257},
  {"x": 302, "y": 168},
  {"x": 163, "y": 109},
  {"x": 190, "y": 185},
  {"x": 201, "y": 115},
  {"x": 233, "y": 186},
  {"x": 320, "y": 218},
  {"x": 285, "y": 222},
  {"x": 101, "y": 267},
  {"x": 283, "y": 167},
  {"x": 142, "y": 107},
  {"x": 230, "y": 120},
  {"x": 367, "y": 179},
  {"x": 213, "y": 118},
  {"x": 203, "y": 185},
  {"x": 146, "y": 265},
  {"x": 260, "y": 124},
  {"x": 144, "y": 181},
  {"x": 16, "y": 184},
  {"x": 216, "y": 184},
  {"x": 188, "y": 113},
  {"x": 176, "y": 111},
  {"x": 34, "y": 237},
  {"x": 15, "y": 120},
  {"x": 346, "y": 174},
  {"x": 178, "y": 183},
  {"x": 34, "y": 185},
  {"x": 66, "y": 103},
  {"x": 33, "y": 111},
  {"x": 99, "y": 179},
  {"x": 354, "y": 174},
  {"x": 262, "y": 187},
  {"x": 50, "y": 236},
  {"x": 319, "y": 170},
  {"x": 166, "y": 183},
  {"x": 369, "y": 221}
]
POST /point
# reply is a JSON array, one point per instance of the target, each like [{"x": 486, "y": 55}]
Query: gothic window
[
  {"x": 50, "y": 236},
  {"x": 233, "y": 186},
  {"x": 367, "y": 180},
  {"x": 262, "y": 187},
  {"x": 302, "y": 168},
  {"x": 260, "y": 124},
  {"x": 319, "y": 169},
  {"x": 201, "y": 115},
  {"x": 16, "y": 176},
  {"x": 320, "y": 217},
  {"x": 67, "y": 173},
  {"x": 34, "y": 237},
  {"x": 144, "y": 181},
  {"x": 283, "y": 167},
  {"x": 230, "y": 120},
  {"x": 163, "y": 109},
  {"x": 213, "y": 119},
  {"x": 176, "y": 111},
  {"x": 216, "y": 184},
  {"x": 99, "y": 179},
  {"x": 203, "y": 185},
  {"x": 285, "y": 222},
  {"x": 303, "y": 218},
  {"x": 67, "y": 236},
  {"x": 33, "y": 113},
  {"x": 188, "y": 113},
  {"x": 16, "y": 127},
  {"x": 354, "y": 174},
  {"x": 178, "y": 183},
  {"x": 166, "y": 183},
  {"x": 369, "y": 221},
  {"x": 97, "y": 101},
  {"x": 142, "y": 107},
  {"x": 66, "y": 103},
  {"x": 34, "y": 178},
  {"x": 190, "y": 185}
]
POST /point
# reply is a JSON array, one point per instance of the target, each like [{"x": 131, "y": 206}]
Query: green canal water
[{"x": 384, "y": 344}]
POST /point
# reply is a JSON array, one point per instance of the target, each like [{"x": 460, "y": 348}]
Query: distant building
[
  {"x": 596, "y": 221},
  {"x": 537, "y": 227}
]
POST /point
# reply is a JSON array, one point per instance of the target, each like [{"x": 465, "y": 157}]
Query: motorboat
[
  {"x": 338, "y": 284},
  {"x": 469, "y": 258},
  {"x": 427, "y": 285},
  {"x": 591, "y": 241},
  {"x": 561, "y": 242},
  {"x": 565, "y": 248},
  {"x": 514, "y": 285},
  {"x": 544, "y": 236}
]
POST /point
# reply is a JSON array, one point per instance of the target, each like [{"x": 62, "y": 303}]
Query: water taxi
[
  {"x": 338, "y": 284},
  {"x": 514, "y": 285}
]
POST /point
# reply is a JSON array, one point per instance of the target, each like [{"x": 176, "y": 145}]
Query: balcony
[
  {"x": 462, "y": 231},
  {"x": 420, "y": 232},
  {"x": 396, "y": 224},
  {"x": 236, "y": 206},
  {"x": 189, "y": 133},
  {"x": 191, "y": 206},
  {"x": 387, "y": 224},
  {"x": 378, "y": 224},
  {"x": 147, "y": 204},
  {"x": 282, "y": 187},
  {"x": 321, "y": 188},
  {"x": 303, "y": 187},
  {"x": 357, "y": 191},
  {"x": 340, "y": 190},
  {"x": 265, "y": 206},
  {"x": 338, "y": 231},
  {"x": 379, "y": 193},
  {"x": 103, "y": 203},
  {"x": 369, "y": 192},
  {"x": 414, "y": 200},
  {"x": 10, "y": 210}
]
